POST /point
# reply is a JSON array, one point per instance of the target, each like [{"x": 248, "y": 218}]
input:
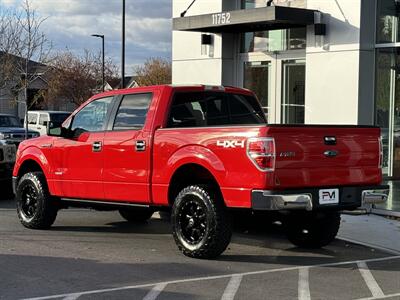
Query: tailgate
[{"x": 326, "y": 156}]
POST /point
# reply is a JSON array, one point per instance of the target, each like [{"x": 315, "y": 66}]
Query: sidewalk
[{"x": 371, "y": 230}]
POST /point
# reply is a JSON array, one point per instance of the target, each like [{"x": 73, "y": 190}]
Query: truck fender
[
  {"x": 195, "y": 154},
  {"x": 36, "y": 155}
]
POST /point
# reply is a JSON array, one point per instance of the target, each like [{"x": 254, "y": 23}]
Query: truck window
[
  {"x": 200, "y": 109},
  {"x": 93, "y": 116},
  {"x": 43, "y": 119},
  {"x": 132, "y": 111},
  {"x": 32, "y": 118}
]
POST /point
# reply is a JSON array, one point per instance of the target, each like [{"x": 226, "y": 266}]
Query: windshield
[
  {"x": 58, "y": 118},
  {"x": 9, "y": 121}
]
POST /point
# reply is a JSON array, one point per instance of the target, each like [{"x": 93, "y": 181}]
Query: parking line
[
  {"x": 153, "y": 294},
  {"x": 369, "y": 279},
  {"x": 213, "y": 278},
  {"x": 304, "y": 285},
  {"x": 382, "y": 297},
  {"x": 232, "y": 287},
  {"x": 72, "y": 297}
]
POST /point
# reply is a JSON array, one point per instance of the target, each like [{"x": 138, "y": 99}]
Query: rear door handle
[
  {"x": 97, "y": 147},
  {"x": 140, "y": 146}
]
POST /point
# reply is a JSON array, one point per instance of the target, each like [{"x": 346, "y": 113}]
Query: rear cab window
[{"x": 207, "y": 109}]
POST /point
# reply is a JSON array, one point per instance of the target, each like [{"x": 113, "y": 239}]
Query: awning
[{"x": 247, "y": 20}]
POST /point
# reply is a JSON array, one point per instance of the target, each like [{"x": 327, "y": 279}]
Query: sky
[{"x": 70, "y": 24}]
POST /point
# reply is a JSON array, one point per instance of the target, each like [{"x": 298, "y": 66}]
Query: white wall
[
  {"x": 333, "y": 63},
  {"x": 188, "y": 64}
]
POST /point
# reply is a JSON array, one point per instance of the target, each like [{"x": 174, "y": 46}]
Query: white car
[{"x": 39, "y": 120}]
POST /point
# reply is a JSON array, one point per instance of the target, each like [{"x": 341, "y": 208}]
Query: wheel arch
[{"x": 187, "y": 174}]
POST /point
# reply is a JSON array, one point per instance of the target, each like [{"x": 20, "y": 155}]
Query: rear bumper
[{"x": 350, "y": 198}]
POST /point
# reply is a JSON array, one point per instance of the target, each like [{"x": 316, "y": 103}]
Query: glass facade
[
  {"x": 274, "y": 40},
  {"x": 246, "y": 4},
  {"x": 387, "y": 98},
  {"x": 388, "y": 21}
]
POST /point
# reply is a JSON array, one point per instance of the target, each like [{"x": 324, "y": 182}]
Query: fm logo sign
[
  {"x": 329, "y": 196},
  {"x": 231, "y": 144}
]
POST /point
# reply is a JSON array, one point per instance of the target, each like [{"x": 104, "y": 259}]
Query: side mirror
[
  {"x": 53, "y": 130},
  {"x": 58, "y": 130}
]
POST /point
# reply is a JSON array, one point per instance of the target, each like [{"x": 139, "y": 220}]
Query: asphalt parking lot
[{"x": 97, "y": 255}]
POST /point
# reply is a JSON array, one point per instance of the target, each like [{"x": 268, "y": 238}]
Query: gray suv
[{"x": 12, "y": 134}]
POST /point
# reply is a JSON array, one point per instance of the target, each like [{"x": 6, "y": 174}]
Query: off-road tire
[
  {"x": 136, "y": 215},
  {"x": 314, "y": 230},
  {"x": 217, "y": 230},
  {"x": 45, "y": 212}
]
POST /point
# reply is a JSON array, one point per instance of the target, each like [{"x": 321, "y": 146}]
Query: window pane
[
  {"x": 93, "y": 116},
  {"x": 32, "y": 119},
  {"x": 200, "y": 109},
  {"x": 293, "y": 106},
  {"x": 387, "y": 23},
  {"x": 274, "y": 40},
  {"x": 246, "y": 4},
  {"x": 257, "y": 79},
  {"x": 133, "y": 111},
  {"x": 188, "y": 110},
  {"x": 245, "y": 110},
  {"x": 43, "y": 119}
]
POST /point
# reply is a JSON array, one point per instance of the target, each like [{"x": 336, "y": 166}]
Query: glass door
[
  {"x": 388, "y": 108},
  {"x": 257, "y": 76},
  {"x": 278, "y": 80},
  {"x": 293, "y": 98}
]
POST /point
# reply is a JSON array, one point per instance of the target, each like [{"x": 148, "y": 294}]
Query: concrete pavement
[{"x": 372, "y": 230}]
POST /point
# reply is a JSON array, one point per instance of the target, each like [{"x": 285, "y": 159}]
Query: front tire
[
  {"x": 136, "y": 215},
  {"x": 314, "y": 230},
  {"x": 200, "y": 224},
  {"x": 35, "y": 207}
]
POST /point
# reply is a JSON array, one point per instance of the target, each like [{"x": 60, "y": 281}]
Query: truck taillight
[
  {"x": 380, "y": 153},
  {"x": 261, "y": 152}
]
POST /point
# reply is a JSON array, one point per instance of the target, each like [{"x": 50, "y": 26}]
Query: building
[
  {"x": 309, "y": 61},
  {"x": 12, "y": 93}
]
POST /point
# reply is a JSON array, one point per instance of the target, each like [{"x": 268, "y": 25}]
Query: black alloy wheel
[
  {"x": 192, "y": 221},
  {"x": 36, "y": 208},
  {"x": 200, "y": 223},
  {"x": 29, "y": 202}
]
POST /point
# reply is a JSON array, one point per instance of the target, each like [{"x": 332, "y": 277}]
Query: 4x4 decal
[{"x": 231, "y": 144}]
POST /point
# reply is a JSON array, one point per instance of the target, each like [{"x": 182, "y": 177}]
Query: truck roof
[{"x": 185, "y": 87}]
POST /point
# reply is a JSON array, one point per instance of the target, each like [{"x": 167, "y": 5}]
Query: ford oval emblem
[{"x": 331, "y": 153}]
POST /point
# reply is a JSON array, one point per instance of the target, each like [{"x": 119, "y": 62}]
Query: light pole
[
  {"x": 123, "y": 47},
  {"x": 102, "y": 53}
]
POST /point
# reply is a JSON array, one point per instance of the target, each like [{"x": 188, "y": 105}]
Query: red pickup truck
[{"x": 200, "y": 152}]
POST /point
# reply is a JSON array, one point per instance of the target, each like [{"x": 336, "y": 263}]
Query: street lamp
[
  {"x": 123, "y": 47},
  {"x": 102, "y": 39}
]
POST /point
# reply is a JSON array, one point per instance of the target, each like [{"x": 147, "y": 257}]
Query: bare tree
[
  {"x": 154, "y": 71},
  {"x": 24, "y": 50},
  {"x": 76, "y": 78}
]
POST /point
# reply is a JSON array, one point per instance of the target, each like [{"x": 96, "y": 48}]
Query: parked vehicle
[
  {"x": 11, "y": 134},
  {"x": 39, "y": 120},
  {"x": 7, "y": 160},
  {"x": 200, "y": 152}
]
